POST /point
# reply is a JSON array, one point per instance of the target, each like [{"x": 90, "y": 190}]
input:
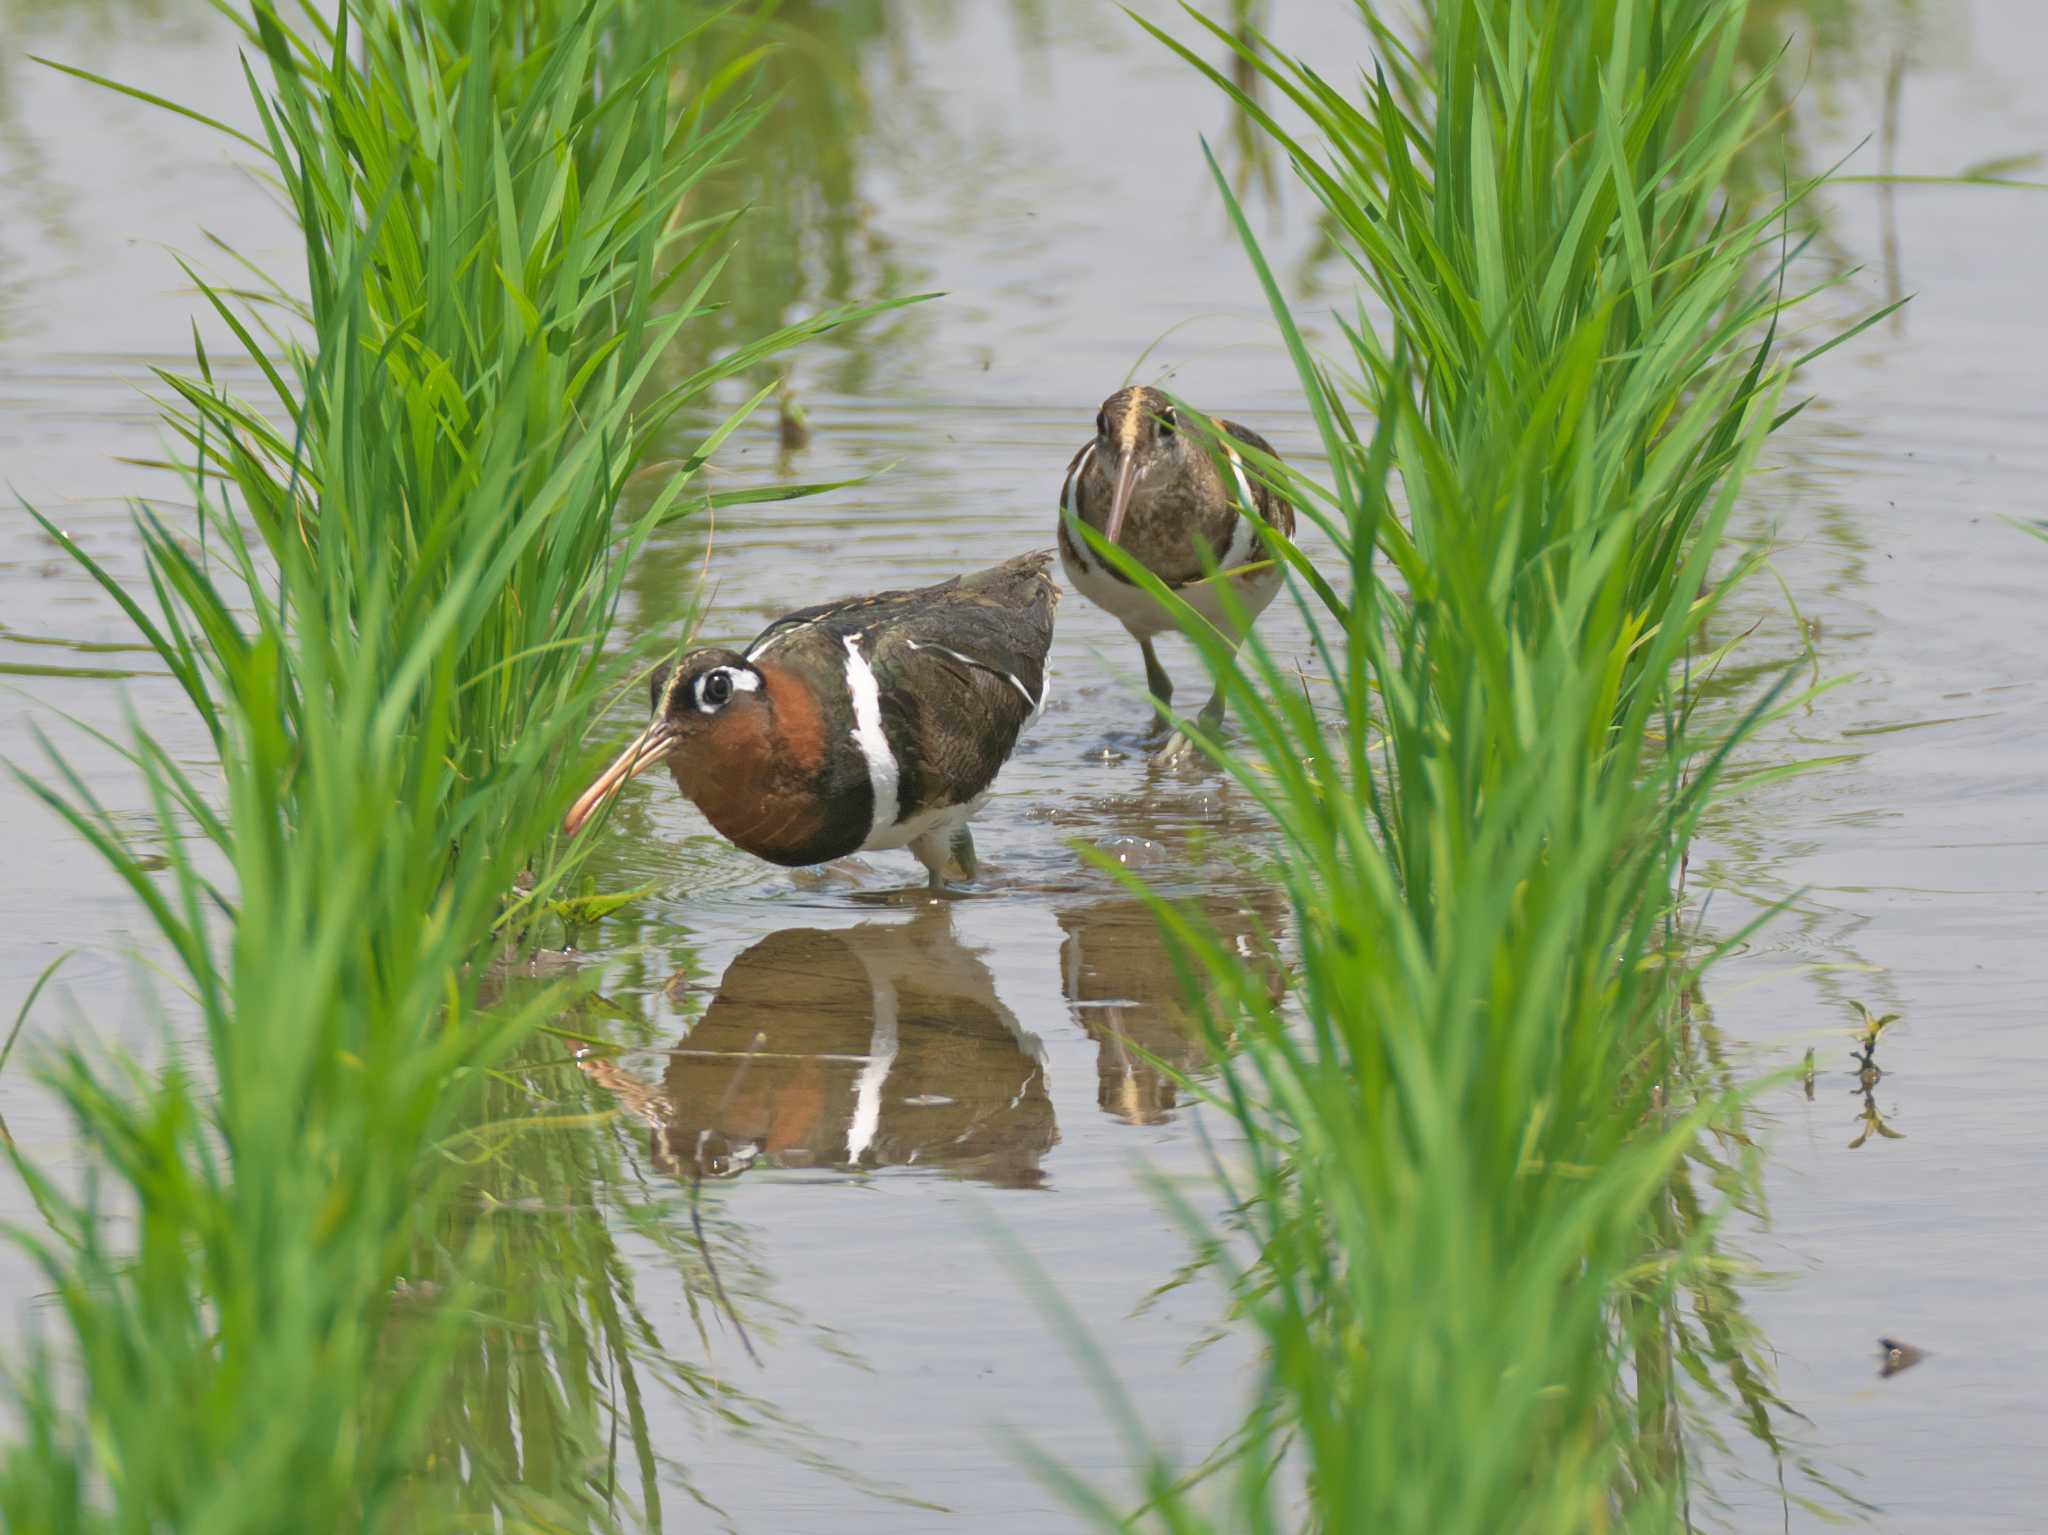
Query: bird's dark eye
[
  {"x": 1167, "y": 421},
  {"x": 1102, "y": 423},
  {"x": 718, "y": 687}
]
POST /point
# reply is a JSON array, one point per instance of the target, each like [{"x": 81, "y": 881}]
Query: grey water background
[{"x": 1040, "y": 164}]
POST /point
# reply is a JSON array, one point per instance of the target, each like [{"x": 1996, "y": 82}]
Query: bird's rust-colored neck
[{"x": 755, "y": 772}]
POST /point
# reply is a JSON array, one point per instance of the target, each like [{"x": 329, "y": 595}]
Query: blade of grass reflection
[
  {"x": 83, "y": 673},
  {"x": 82, "y": 647}
]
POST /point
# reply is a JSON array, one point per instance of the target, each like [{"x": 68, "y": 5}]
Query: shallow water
[
  {"x": 1913, "y": 871},
  {"x": 869, "y": 1099}
]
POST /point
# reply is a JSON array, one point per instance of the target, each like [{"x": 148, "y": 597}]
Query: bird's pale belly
[
  {"x": 942, "y": 819},
  {"x": 1138, "y": 612}
]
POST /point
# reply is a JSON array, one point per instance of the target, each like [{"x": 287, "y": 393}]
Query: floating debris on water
[{"x": 1894, "y": 1356}]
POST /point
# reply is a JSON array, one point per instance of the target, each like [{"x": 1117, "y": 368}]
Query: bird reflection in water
[
  {"x": 1120, "y": 981},
  {"x": 878, "y": 1045}
]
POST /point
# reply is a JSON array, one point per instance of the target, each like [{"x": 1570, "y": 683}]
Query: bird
[
  {"x": 864, "y": 724},
  {"x": 1149, "y": 484}
]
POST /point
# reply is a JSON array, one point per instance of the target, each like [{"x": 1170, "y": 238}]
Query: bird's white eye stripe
[{"x": 713, "y": 691}]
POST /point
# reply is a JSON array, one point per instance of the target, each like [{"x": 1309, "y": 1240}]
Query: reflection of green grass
[
  {"x": 390, "y": 616},
  {"x": 551, "y": 1398},
  {"x": 563, "y": 1398},
  {"x": 804, "y": 240},
  {"x": 831, "y": 81},
  {"x": 1491, "y": 1144}
]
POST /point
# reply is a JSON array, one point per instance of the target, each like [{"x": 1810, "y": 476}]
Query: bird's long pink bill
[
  {"x": 1120, "y": 503},
  {"x": 648, "y": 748}
]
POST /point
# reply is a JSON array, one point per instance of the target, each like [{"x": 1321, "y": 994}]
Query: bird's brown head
[
  {"x": 709, "y": 705},
  {"x": 1139, "y": 432}
]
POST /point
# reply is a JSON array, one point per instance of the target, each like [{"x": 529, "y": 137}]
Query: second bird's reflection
[
  {"x": 872, "y": 1046},
  {"x": 1119, "y": 978}
]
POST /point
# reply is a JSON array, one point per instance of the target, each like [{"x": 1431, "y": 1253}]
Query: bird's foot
[{"x": 1179, "y": 748}]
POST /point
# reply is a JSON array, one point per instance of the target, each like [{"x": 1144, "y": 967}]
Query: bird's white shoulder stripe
[
  {"x": 1010, "y": 677},
  {"x": 1074, "y": 474},
  {"x": 1243, "y": 535},
  {"x": 1068, "y": 502},
  {"x": 869, "y": 736}
]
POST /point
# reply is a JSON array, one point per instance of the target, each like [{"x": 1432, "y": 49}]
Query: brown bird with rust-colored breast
[
  {"x": 1148, "y": 482},
  {"x": 866, "y": 724}
]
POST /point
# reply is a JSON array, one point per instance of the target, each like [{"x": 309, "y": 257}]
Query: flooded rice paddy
[{"x": 867, "y": 1100}]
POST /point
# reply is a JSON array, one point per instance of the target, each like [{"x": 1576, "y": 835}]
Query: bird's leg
[
  {"x": 1160, "y": 686},
  {"x": 933, "y": 853},
  {"x": 1209, "y": 721},
  {"x": 940, "y": 854},
  {"x": 963, "y": 853}
]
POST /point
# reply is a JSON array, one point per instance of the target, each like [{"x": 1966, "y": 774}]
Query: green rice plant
[
  {"x": 1470, "y": 1233},
  {"x": 389, "y": 611}
]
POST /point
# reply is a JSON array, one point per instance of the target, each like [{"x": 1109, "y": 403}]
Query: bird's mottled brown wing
[
  {"x": 1276, "y": 509},
  {"x": 961, "y": 675},
  {"x": 1000, "y": 617}
]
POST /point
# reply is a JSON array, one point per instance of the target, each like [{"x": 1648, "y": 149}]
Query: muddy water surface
[{"x": 866, "y": 1099}]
